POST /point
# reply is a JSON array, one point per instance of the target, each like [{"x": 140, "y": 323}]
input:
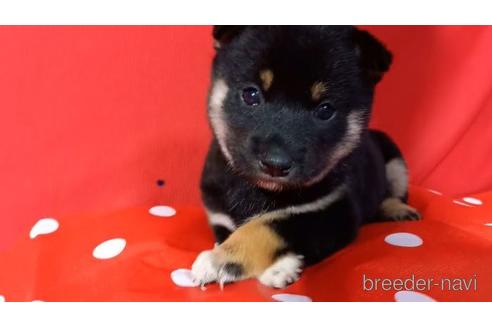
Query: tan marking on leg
[
  {"x": 317, "y": 90},
  {"x": 266, "y": 77},
  {"x": 252, "y": 245}
]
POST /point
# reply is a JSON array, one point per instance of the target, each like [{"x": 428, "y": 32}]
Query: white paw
[
  {"x": 205, "y": 269},
  {"x": 283, "y": 272}
]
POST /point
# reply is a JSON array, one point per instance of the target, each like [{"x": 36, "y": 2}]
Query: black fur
[{"x": 349, "y": 62}]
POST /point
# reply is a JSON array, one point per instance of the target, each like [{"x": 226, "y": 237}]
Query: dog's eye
[
  {"x": 251, "y": 96},
  {"x": 325, "y": 111}
]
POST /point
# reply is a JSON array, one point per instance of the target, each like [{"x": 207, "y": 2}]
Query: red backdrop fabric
[{"x": 92, "y": 117}]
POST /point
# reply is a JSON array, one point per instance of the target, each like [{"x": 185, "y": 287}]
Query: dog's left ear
[
  {"x": 223, "y": 34},
  {"x": 375, "y": 59}
]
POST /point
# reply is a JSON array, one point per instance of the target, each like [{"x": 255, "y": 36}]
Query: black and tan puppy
[{"x": 293, "y": 171}]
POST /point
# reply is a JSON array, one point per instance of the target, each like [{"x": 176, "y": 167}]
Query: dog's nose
[{"x": 276, "y": 165}]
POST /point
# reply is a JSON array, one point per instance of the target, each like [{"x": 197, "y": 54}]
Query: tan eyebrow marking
[
  {"x": 317, "y": 90},
  {"x": 266, "y": 77}
]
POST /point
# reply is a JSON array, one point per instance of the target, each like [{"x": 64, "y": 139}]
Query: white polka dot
[
  {"x": 109, "y": 248},
  {"x": 461, "y": 203},
  {"x": 403, "y": 239},
  {"x": 183, "y": 278},
  {"x": 162, "y": 211},
  {"x": 44, "y": 226},
  {"x": 435, "y": 191},
  {"x": 291, "y": 298},
  {"x": 2, "y": 298},
  {"x": 473, "y": 201},
  {"x": 488, "y": 224},
  {"x": 410, "y": 296}
]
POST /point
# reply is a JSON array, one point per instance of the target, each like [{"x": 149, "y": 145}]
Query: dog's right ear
[
  {"x": 375, "y": 59},
  {"x": 223, "y": 34}
]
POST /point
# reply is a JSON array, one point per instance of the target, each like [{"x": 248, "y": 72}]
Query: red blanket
[{"x": 100, "y": 124}]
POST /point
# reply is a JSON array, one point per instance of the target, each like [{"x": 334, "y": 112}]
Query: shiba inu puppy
[{"x": 293, "y": 170}]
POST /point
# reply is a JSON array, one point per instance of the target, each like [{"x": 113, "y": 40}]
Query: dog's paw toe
[
  {"x": 394, "y": 209},
  {"x": 230, "y": 272},
  {"x": 208, "y": 268},
  {"x": 412, "y": 215},
  {"x": 283, "y": 272},
  {"x": 406, "y": 214},
  {"x": 205, "y": 269}
]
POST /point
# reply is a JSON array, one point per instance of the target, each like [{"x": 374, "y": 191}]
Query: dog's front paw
[
  {"x": 393, "y": 209},
  {"x": 205, "y": 269},
  {"x": 212, "y": 266},
  {"x": 247, "y": 253},
  {"x": 283, "y": 272}
]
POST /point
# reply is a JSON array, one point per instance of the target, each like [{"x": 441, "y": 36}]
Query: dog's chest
[{"x": 243, "y": 201}]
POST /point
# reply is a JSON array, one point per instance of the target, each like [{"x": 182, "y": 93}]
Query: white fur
[
  {"x": 283, "y": 272},
  {"x": 317, "y": 205},
  {"x": 220, "y": 219},
  {"x": 355, "y": 125},
  {"x": 216, "y": 112},
  {"x": 396, "y": 173},
  {"x": 205, "y": 269}
]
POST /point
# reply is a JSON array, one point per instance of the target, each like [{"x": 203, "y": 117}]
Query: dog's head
[{"x": 288, "y": 103}]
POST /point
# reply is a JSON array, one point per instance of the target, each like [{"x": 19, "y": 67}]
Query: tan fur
[
  {"x": 252, "y": 245},
  {"x": 350, "y": 140},
  {"x": 394, "y": 207},
  {"x": 317, "y": 90},
  {"x": 266, "y": 77},
  {"x": 216, "y": 115}
]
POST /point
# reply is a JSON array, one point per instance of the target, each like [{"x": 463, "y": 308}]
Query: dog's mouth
[
  {"x": 290, "y": 182},
  {"x": 271, "y": 184},
  {"x": 274, "y": 183}
]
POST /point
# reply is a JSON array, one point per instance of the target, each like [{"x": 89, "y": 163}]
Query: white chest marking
[
  {"x": 216, "y": 115},
  {"x": 220, "y": 219},
  {"x": 314, "y": 206}
]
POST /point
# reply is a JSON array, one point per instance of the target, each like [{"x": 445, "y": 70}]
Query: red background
[{"x": 91, "y": 117}]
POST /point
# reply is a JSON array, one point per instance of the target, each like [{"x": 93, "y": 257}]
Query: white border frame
[
  {"x": 239, "y": 315},
  {"x": 197, "y": 12}
]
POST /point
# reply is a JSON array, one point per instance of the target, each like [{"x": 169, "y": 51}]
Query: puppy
[{"x": 293, "y": 170}]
